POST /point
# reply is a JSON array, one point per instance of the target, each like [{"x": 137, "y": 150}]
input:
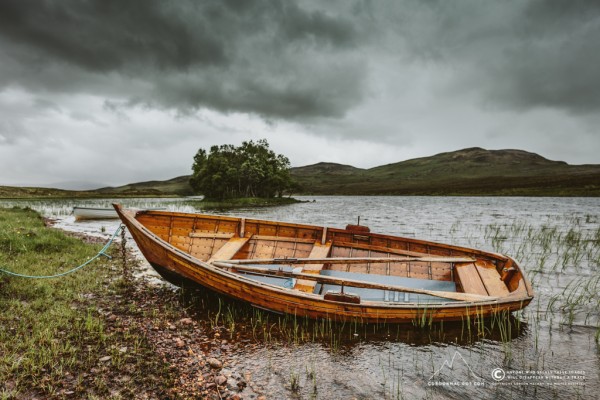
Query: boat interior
[{"x": 351, "y": 253}]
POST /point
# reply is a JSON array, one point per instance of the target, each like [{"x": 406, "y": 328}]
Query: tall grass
[{"x": 51, "y": 330}]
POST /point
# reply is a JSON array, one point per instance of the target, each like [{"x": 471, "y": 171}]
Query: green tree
[{"x": 250, "y": 170}]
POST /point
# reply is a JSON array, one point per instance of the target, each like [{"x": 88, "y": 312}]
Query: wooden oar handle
[{"x": 353, "y": 260}]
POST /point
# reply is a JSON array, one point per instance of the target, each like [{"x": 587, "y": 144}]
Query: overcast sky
[{"x": 115, "y": 91}]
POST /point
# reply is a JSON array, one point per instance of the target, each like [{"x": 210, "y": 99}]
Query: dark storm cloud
[
  {"x": 559, "y": 56},
  {"x": 515, "y": 54},
  {"x": 271, "y": 58},
  {"x": 308, "y": 59}
]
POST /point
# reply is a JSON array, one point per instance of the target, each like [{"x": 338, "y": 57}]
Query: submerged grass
[
  {"x": 236, "y": 320},
  {"x": 564, "y": 258},
  {"x": 563, "y": 261},
  {"x": 55, "y": 339}
]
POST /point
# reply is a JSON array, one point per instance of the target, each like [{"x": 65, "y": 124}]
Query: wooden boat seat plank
[
  {"x": 318, "y": 251},
  {"x": 470, "y": 280},
  {"x": 229, "y": 249},
  {"x": 491, "y": 278}
]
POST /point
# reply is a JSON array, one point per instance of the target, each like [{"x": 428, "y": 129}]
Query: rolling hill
[
  {"x": 177, "y": 186},
  {"x": 473, "y": 171}
]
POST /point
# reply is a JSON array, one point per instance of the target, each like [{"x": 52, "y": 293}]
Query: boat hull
[{"x": 178, "y": 266}]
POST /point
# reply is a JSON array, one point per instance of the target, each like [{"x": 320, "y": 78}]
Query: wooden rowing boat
[{"x": 321, "y": 272}]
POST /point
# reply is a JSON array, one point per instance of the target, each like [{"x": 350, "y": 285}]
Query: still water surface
[{"x": 551, "y": 351}]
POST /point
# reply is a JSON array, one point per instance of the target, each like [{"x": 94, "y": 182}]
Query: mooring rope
[{"x": 100, "y": 254}]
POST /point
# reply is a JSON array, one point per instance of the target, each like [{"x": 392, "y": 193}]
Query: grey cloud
[
  {"x": 556, "y": 62},
  {"x": 515, "y": 54},
  {"x": 250, "y": 56},
  {"x": 301, "y": 60}
]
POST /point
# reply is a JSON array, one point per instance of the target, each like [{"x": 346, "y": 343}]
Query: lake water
[{"x": 551, "y": 350}]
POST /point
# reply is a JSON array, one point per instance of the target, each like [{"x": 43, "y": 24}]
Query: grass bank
[
  {"x": 94, "y": 334},
  {"x": 11, "y": 192},
  {"x": 59, "y": 337}
]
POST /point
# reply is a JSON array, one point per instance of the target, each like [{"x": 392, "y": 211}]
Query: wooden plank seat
[
  {"x": 229, "y": 249},
  {"x": 386, "y": 295},
  {"x": 482, "y": 278},
  {"x": 319, "y": 250},
  {"x": 470, "y": 280},
  {"x": 491, "y": 278}
]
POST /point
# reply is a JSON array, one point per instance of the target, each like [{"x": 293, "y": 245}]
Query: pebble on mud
[{"x": 221, "y": 380}]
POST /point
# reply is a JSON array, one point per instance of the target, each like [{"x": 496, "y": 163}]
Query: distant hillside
[
  {"x": 173, "y": 187},
  {"x": 176, "y": 186},
  {"x": 473, "y": 171},
  {"x": 326, "y": 168}
]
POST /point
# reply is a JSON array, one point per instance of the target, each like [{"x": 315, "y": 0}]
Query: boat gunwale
[
  {"x": 131, "y": 216},
  {"x": 488, "y": 254}
]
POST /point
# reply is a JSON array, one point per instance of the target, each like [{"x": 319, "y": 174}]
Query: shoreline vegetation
[
  {"x": 27, "y": 193},
  {"x": 35, "y": 193},
  {"x": 97, "y": 333},
  {"x": 248, "y": 202},
  {"x": 30, "y": 193}
]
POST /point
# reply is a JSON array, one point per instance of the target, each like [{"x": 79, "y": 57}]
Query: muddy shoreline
[{"x": 196, "y": 355}]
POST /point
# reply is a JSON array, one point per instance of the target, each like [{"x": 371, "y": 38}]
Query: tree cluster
[{"x": 249, "y": 170}]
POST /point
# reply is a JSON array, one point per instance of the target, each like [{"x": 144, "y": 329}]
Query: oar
[
  {"x": 352, "y": 282},
  {"x": 352, "y": 260}
]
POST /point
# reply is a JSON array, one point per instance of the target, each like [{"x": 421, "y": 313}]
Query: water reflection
[{"x": 246, "y": 323}]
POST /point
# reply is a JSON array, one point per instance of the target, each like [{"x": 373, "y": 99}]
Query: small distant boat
[
  {"x": 323, "y": 272},
  {"x": 82, "y": 213}
]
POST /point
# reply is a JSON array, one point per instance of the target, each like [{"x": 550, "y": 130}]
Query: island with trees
[{"x": 249, "y": 174}]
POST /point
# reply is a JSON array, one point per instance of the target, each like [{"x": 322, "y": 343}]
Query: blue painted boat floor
[
  {"x": 387, "y": 295},
  {"x": 366, "y": 294},
  {"x": 273, "y": 280}
]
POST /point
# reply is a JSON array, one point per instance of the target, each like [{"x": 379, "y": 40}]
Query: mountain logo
[{"x": 450, "y": 364}]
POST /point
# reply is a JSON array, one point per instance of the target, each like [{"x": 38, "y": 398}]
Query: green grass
[
  {"x": 11, "y": 192},
  {"x": 54, "y": 332}
]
